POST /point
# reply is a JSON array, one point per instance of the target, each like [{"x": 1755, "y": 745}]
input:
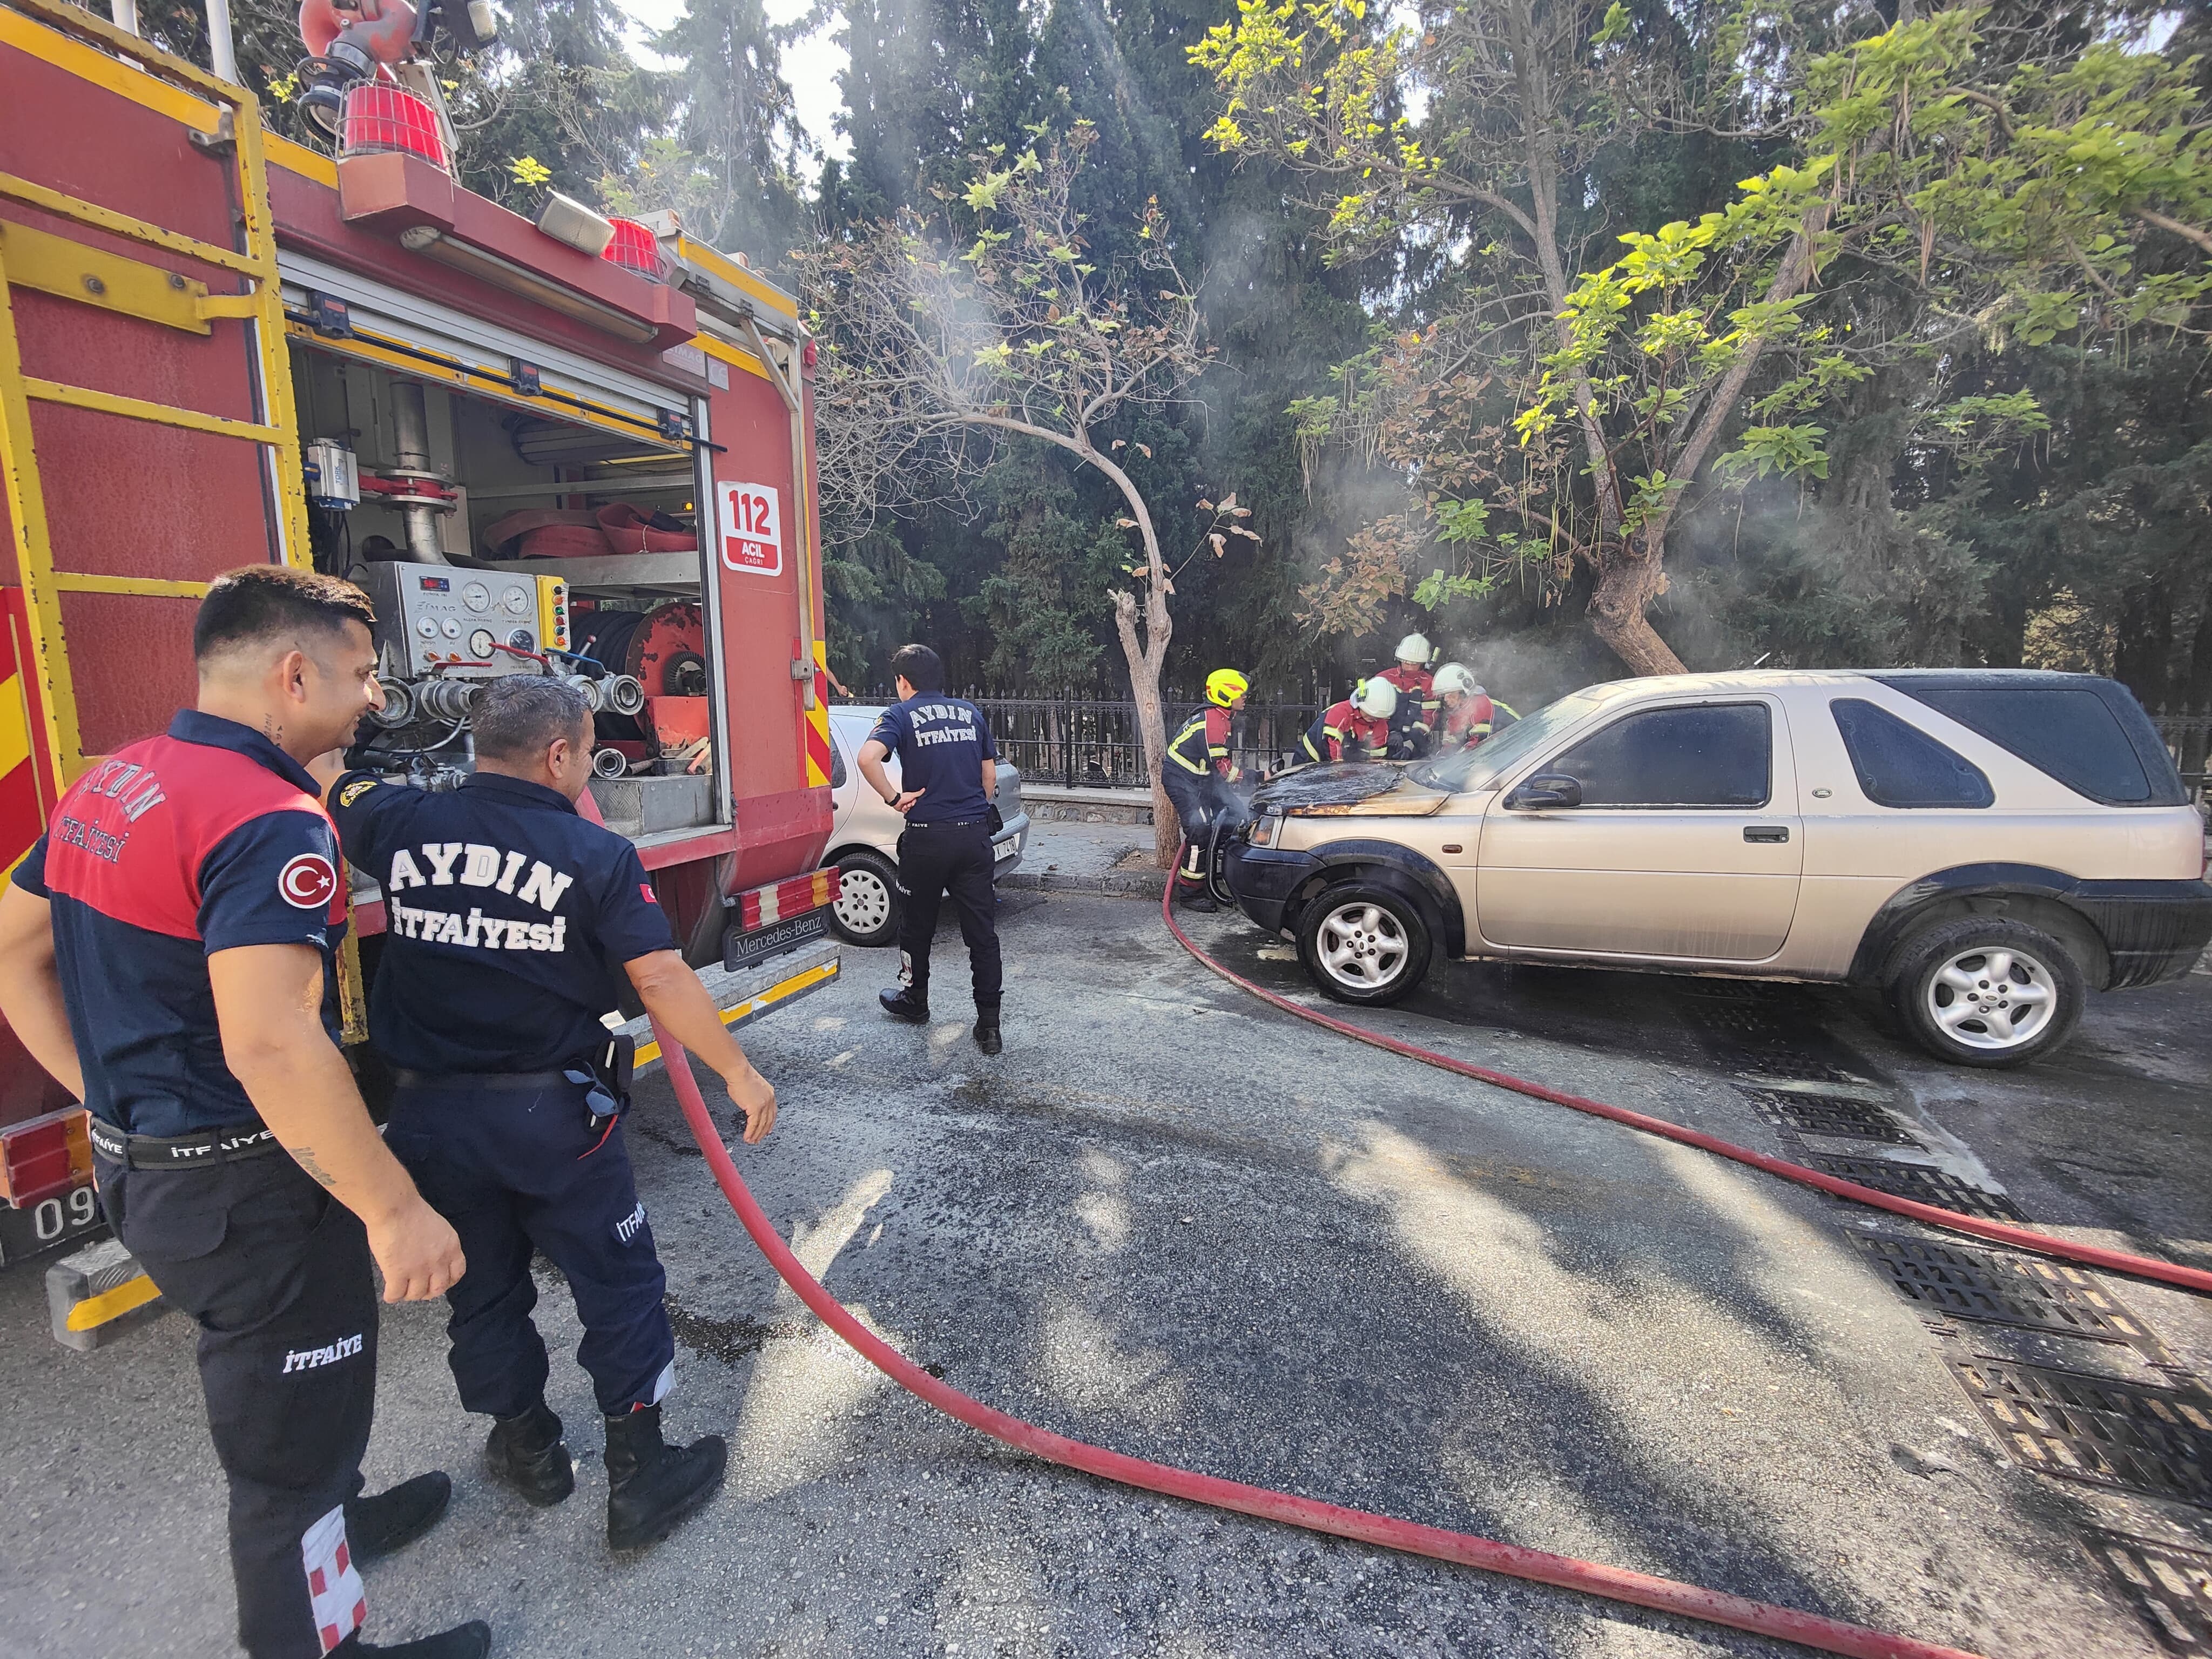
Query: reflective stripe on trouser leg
[
  {"x": 1183, "y": 793},
  {"x": 277, "y": 1275}
]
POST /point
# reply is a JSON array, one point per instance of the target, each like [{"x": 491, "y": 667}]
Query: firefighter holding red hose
[{"x": 1197, "y": 777}]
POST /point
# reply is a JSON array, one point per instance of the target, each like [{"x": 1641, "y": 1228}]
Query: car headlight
[{"x": 1262, "y": 834}]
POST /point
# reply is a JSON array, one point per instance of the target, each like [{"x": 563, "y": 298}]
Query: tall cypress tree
[{"x": 733, "y": 159}]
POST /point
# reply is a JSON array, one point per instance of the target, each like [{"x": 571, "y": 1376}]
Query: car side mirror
[{"x": 1547, "y": 789}]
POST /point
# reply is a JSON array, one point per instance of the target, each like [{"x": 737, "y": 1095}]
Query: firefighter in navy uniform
[
  {"x": 948, "y": 791},
  {"x": 1412, "y": 724},
  {"x": 1357, "y": 729},
  {"x": 167, "y": 951},
  {"x": 1197, "y": 777},
  {"x": 509, "y": 918}
]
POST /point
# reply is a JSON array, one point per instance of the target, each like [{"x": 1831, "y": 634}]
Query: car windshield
[{"x": 1476, "y": 768}]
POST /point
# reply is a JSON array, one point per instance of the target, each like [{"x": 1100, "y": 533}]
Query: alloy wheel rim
[
  {"x": 1992, "y": 1000},
  {"x": 1362, "y": 946},
  {"x": 863, "y": 900}
]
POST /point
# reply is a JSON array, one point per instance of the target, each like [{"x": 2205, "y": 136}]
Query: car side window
[
  {"x": 836, "y": 758},
  {"x": 1711, "y": 755},
  {"x": 1899, "y": 765}
]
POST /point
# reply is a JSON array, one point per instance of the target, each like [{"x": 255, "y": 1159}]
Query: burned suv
[{"x": 1984, "y": 846}]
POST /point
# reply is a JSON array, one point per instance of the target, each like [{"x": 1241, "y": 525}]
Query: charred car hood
[{"x": 1346, "y": 789}]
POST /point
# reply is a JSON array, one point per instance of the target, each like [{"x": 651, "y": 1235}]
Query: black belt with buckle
[
  {"x": 408, "y": 1079},
  {"x": 605, "y": 1078},
  {"x": 956, "y": 823},
  {"x": 230, "y": 1144}
]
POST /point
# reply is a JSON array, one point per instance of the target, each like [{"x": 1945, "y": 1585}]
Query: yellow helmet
[{"x": 1225, "y": 685}]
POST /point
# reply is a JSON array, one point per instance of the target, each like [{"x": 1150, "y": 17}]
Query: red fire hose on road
[
  {"x": 1615, "y": 1583},
  {"x": 2024, "y": 1238}
]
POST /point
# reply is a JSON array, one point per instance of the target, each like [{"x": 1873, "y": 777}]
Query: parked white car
[{"x": 863, "y": 841}]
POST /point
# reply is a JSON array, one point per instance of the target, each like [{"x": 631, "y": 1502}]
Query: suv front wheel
[
  {"x": 1365, "y": 943},
  {"x": 1985, "y": 991}
]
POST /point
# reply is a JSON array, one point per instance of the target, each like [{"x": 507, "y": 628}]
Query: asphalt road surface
[{"x": 1172, "y": 1221}]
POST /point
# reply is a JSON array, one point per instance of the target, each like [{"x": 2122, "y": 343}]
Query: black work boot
[
  {"x": 986, "y": 1030},
  {"x": 906, "y": 1003},
  {"x": 1198, "y": 899},
  {"x": 469, "y": 1641},
  {"x": 525, "y": 1452},
  {"x": 651, "y": 1485},
  {"x": 390, "y": 1519}
]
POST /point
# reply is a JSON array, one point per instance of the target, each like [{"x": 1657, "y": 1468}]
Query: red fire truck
[{"x": 573, "y": 447}]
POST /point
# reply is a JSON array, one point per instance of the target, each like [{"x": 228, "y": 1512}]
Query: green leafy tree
[{"x": 2008, "y": 204}]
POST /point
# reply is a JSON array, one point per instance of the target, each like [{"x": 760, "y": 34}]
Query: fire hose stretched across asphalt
[{"x": 1668, "y": 1595}]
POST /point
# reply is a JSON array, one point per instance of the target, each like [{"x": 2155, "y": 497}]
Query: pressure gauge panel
[{"x": 434, "y": 617}]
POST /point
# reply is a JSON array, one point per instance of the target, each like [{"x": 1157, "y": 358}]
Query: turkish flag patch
[
  {"x": 307, "y": 882},
  {"x": 645, "y": 888}
]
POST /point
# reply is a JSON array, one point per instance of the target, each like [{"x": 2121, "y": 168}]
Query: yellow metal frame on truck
[
  {"x": 743, "y": 1013},
  {"x": 122, "y": 63}
]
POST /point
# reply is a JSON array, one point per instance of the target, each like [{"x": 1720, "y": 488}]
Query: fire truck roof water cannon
[{"x": 380, "y": 48}]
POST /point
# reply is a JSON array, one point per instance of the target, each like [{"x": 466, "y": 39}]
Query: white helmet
[
  {"x": 1376, "y": 699},
  {"x": 1457, "y": 676},
  {"x": 1415, "y": 647}
]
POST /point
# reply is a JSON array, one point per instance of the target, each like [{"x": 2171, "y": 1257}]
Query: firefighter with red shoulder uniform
[
  {"x": 1415, "y": 719},
  {"x": 1197, "y": 777},
  {"x": 1357, "y": 729},
  {"x": 167, "y": 951},
  {"x": 1469, "y": 716}
]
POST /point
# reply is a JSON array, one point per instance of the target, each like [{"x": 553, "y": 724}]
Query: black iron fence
[{"x": 1094, "y": 743}]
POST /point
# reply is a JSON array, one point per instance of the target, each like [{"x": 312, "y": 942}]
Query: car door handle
[{"x": 1766, "y": 832}]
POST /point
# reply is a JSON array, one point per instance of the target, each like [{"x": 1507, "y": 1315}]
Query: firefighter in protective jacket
[
  {"x": 1197, "y": 777},
  {"x": 1415, "y": 721},
  {"x": 1359, "y": 728},
  {"x": 1468, "y": 716}
]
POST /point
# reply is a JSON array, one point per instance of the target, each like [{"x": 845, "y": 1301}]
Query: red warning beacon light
[
  {"x": 634, "y": 248},
  {"x": 379, "y": 117}
]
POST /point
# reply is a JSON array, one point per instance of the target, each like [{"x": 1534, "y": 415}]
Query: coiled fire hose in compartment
[
  {"x": 1615, "y": 1583},
  {"x": 2023, "y": 1238}
]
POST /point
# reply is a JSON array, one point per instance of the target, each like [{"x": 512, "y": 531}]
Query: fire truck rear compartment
[{"x": 463, "y": 505}]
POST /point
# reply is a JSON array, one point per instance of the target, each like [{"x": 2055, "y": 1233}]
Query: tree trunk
[
  {"x": 1144, "y": 666},
  {"x": 1629, "y": 580}
]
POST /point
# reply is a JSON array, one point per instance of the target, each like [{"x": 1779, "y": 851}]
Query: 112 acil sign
[{"x": 751, "y": 518}]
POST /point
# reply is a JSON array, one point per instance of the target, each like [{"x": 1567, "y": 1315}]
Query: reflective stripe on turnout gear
[
  {"x": 1344, "y": 728},
  {"x": 1206, "y": 733}
]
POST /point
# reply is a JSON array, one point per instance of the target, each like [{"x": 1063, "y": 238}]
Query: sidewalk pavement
[{"x": 1109, "y": 859}]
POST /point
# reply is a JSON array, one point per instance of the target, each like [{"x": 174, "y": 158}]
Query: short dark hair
[
  {"x": 517, "y": 716},
  {"x": 261, "y": 601},
  {"x": 918, "y": 667}
]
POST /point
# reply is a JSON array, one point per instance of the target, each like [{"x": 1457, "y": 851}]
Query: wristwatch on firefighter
[{"x": 891, "y": 800}]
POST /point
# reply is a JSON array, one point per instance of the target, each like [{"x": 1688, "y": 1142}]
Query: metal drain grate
[
  {"x": 1829, "y": 1115},
  {"x": 1924, "y": 1183},
  {"x": 1997, "y": 1289},
  {"x": 2169, "y": 1586},
  {"x": 2153, "y": 1440}
]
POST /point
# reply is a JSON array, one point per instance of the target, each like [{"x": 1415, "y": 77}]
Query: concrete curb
[{"x": 1104, "y": 883}]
